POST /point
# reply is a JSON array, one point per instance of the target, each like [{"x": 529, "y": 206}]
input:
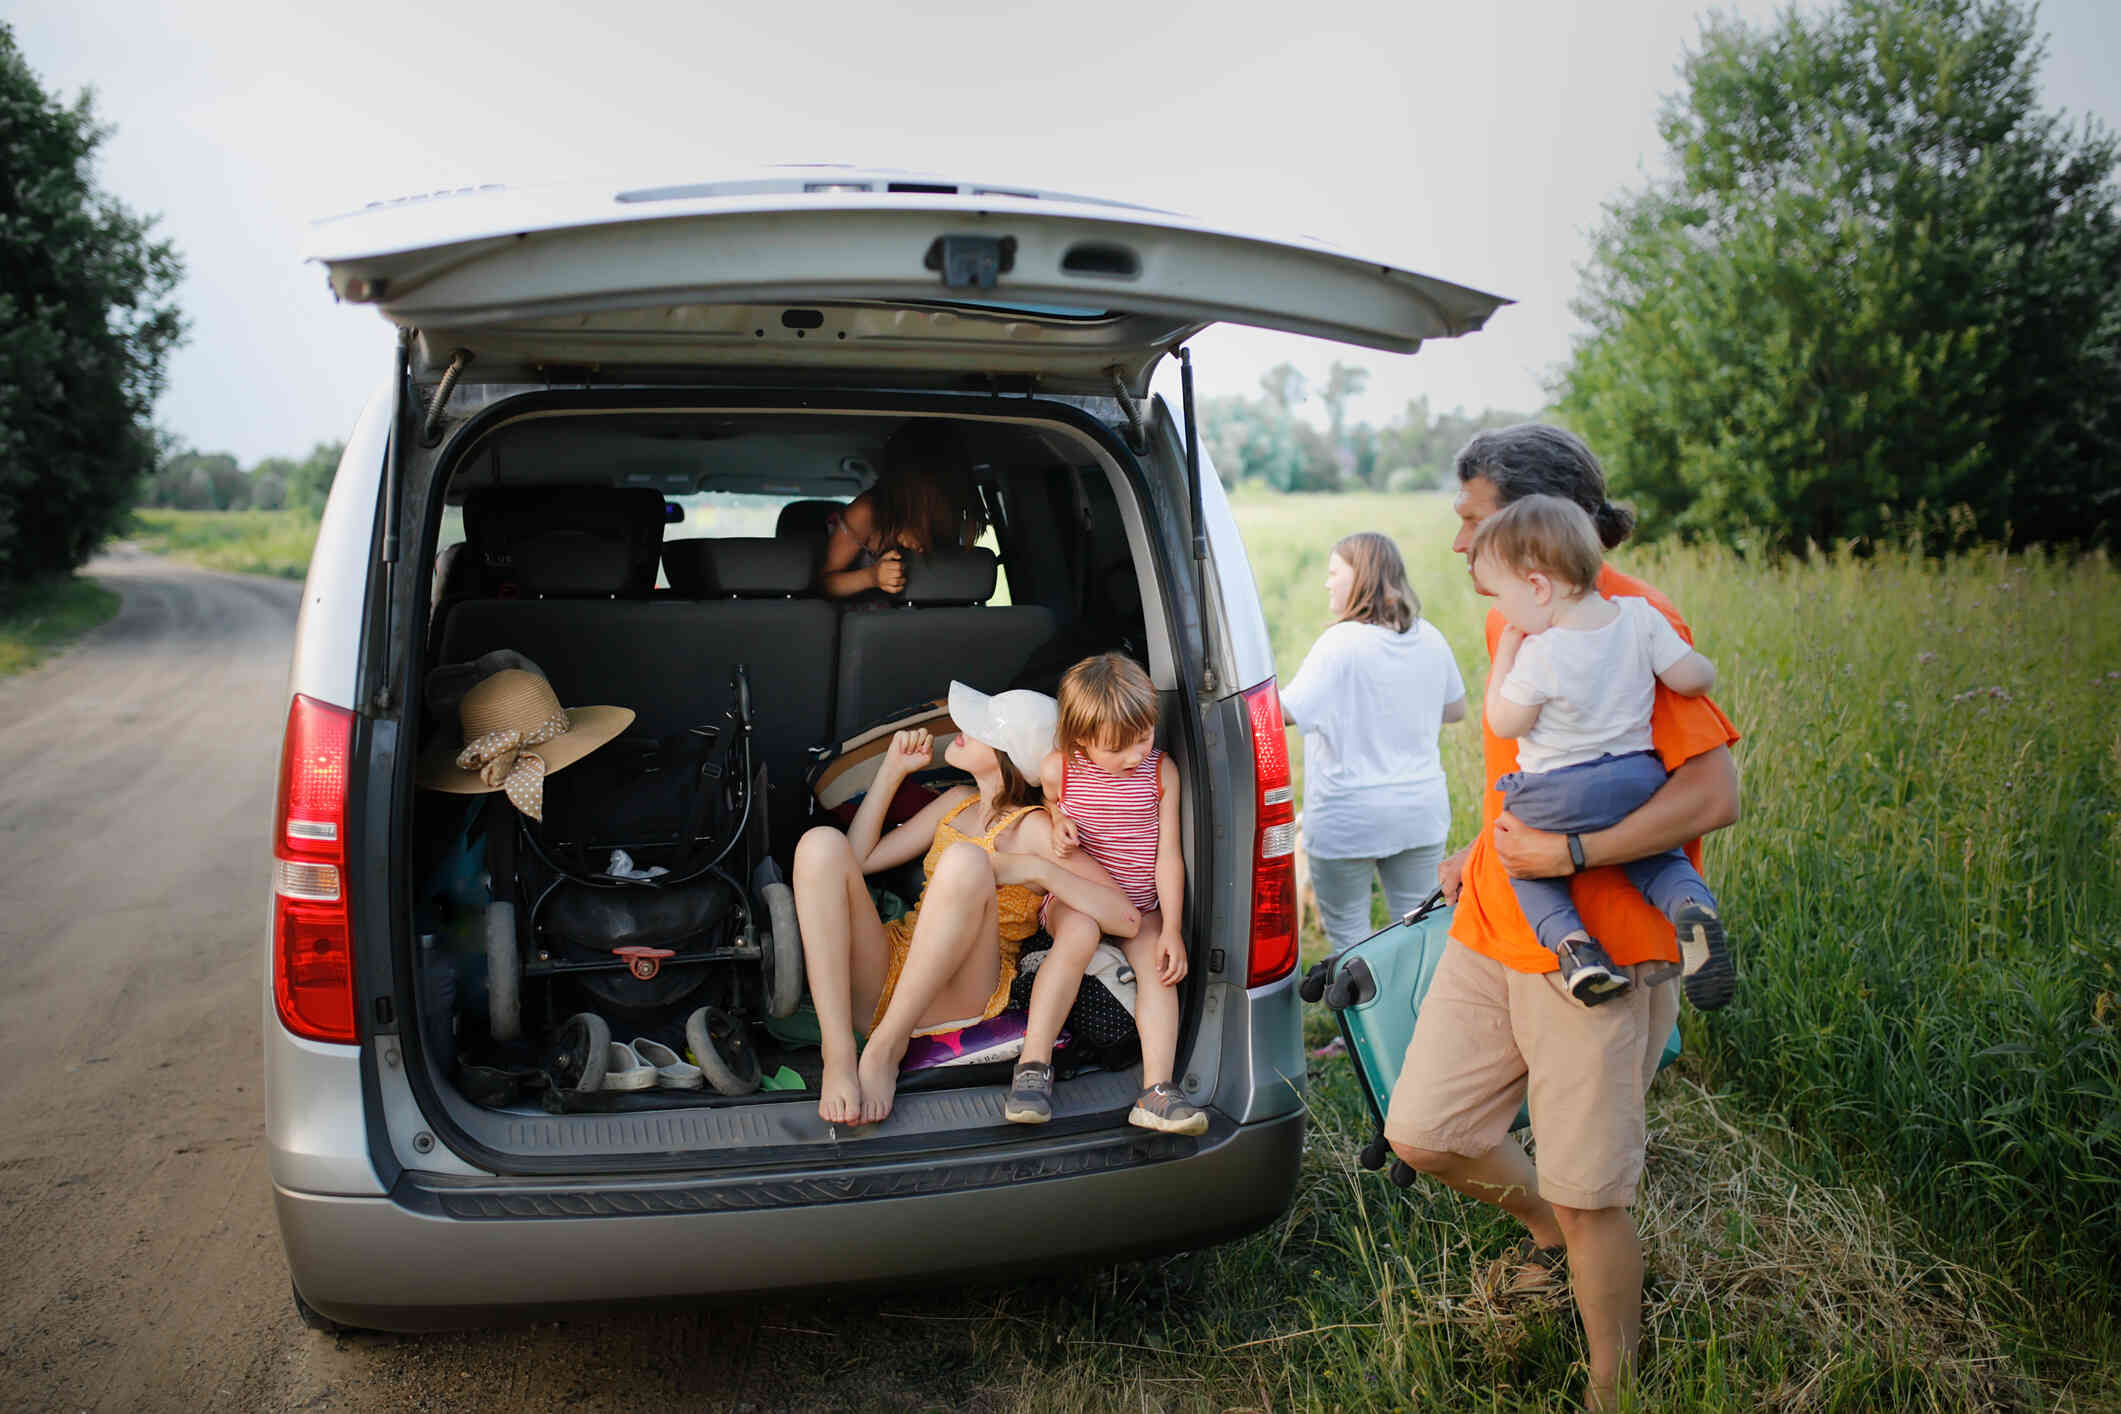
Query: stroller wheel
[
  {"x": 783, "y": 951},
  {"x": 580, "y": 1051},
  {"x": 719, "y": 1049}
]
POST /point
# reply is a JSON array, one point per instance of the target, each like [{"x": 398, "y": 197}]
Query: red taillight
[
  {"x": 1274, "y": 842},
  {"x": 312, "y": 956}
]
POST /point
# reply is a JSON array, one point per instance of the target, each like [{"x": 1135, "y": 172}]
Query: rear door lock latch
[{"x": 971, "y": 262}]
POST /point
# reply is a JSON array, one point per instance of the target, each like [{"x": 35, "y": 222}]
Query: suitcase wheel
[
  {"x": 1314, "y": 984},
  {"x": 1372, "y": 1157},
  {"x": 1402, "y": 1175},
  {"x": 1342, "y": 992}
]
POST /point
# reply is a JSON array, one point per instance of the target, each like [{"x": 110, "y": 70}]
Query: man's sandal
[{"x": 1530, "y": 1269}]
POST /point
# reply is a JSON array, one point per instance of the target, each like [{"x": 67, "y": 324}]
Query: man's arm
[{"x": 1701, "y": 796}]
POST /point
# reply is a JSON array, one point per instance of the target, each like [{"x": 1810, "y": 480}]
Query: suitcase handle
[{"x": 1313, "y": 987}]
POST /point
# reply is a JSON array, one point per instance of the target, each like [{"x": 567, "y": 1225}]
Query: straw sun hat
[{"x": 515, "y": 734}]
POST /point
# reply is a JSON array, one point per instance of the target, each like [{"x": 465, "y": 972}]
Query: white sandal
[
  {"x": 672, "y": 1071},
  {"x": 625, "y": 1070}
]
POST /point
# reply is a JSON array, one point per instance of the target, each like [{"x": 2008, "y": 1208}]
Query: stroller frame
[{"x": 522, "y": 946}]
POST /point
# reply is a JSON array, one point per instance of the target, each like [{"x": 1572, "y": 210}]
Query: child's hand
[
  {"x": 911, "y": 751},
  {"x": 1170, "y": 958},
  {"x": 891, "y": 571},
  {"x": 1064, "y": 835}
]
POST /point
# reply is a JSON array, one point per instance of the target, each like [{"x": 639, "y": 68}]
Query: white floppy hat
[{"x": 1021, "y": 723}]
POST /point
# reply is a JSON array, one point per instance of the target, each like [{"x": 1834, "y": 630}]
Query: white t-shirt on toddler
[{"x": 1593, "y": 687}]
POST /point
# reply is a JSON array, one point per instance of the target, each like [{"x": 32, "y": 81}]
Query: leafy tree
[
  {"x": 85, "y": 327},
  {"x": 199, "y": 481},
  {"x": 1284, "y": 386},
  {"x": 310, "y": 481},
  {"x": 1880, "y": 279}
]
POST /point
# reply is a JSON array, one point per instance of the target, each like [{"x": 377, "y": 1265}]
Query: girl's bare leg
[
  {"x": 1075, "y": 938},
  {"x": 1155, "y": 1005},
  {"x": 845, "y": 956},
  {"x": 953, "y": 961}
]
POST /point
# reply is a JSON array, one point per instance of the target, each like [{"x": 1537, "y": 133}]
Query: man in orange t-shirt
[{"x": 1497, "y": 1029}]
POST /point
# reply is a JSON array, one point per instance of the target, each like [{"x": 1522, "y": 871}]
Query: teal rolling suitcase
[{"x": 1375, "y": 989}]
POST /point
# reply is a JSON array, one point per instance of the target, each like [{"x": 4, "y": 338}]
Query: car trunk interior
[{"x": 662, "y": 559}]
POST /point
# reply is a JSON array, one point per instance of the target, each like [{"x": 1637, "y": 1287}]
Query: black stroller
[{"x": 645, "y": 895}]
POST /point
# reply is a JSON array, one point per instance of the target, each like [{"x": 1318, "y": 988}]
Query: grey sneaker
[
  {"x": 1162, "y": 1108},
  {"x": 1589, "y": 972},
  {"x": 1030, "y": 1094},
  {"x": 1707, "y": 972}
]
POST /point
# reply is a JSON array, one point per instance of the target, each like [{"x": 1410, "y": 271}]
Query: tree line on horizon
[
  {"x": 1268, "y": 439},
  {"x": 186, "y": 480}
]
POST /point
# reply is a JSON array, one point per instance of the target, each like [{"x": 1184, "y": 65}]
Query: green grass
[
  {"x": 37, "y": 619},
  {"x": 245, "y": 542}
]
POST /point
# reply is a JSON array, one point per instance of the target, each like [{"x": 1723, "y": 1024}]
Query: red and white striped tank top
[{"x": 1115, "y": 820}]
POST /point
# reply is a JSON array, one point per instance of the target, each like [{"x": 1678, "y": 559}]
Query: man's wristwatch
[{"x": 1576, "y": 852}]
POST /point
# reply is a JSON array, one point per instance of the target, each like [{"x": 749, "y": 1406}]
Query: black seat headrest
[
  {"x": 805, "y": 520},
  {"x": 738, "y": 566},
  {"x": 566, "y": 540},
  {"x": 950, "y": 577}
]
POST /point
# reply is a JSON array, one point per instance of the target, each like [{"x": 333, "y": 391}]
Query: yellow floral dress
[{"x": 1016, "y": 907}]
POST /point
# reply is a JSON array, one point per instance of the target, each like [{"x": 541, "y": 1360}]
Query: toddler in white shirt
[{"x": 1574, "y": 678}]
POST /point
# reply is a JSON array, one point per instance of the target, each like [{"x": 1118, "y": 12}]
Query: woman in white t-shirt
[{"x": 1371, "y": 697}]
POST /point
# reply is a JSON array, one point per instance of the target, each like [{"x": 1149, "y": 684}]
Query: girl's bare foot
[
  {"x": 878, "y": 1074},
  {"x": 840, "y": 1093}
]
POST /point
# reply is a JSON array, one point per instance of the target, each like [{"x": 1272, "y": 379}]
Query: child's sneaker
[
  {"x": 1162, "y": 1108},
  {"x": 1706, "y": 968},
  {"x": 1030, "y": 1094},
  {"x": 1589, "y": 972}
]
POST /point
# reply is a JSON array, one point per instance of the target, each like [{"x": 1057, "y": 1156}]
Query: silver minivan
[{"x": 744, "y": 349}]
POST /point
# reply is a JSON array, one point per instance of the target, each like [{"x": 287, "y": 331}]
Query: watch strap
[{"x": 1576, "y": 852}]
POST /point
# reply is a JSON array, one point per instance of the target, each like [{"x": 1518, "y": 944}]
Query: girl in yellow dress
[{"x": 949, "y": 963}]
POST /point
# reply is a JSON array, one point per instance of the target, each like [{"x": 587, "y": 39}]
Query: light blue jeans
[{"x": 1343, "y": 889}]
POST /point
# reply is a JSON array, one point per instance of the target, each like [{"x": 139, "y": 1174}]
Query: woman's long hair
[
  {"x": 1379, "y": 592},
  {"x": 1016, "y": 791},
  {"x": 925, "y": 497}
]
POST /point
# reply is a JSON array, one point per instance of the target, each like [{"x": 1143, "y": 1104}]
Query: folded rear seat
[
  {"x": 669, "y": 657},
  {"x": 893, "y": 656}
]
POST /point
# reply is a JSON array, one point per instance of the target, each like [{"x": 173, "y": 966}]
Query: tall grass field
[{"x": 277, "y": 543}]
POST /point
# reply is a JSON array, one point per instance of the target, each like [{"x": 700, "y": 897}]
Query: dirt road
[{"x": 142, "y": 1266}]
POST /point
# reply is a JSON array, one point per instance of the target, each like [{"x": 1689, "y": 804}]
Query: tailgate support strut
[{"x": 1200, "y": 529}]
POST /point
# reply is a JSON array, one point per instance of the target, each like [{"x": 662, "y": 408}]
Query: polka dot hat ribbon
[{"x": 504, "y": 760}]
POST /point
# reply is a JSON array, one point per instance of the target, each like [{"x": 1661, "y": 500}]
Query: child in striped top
[{"x": 1113, "y": 794}]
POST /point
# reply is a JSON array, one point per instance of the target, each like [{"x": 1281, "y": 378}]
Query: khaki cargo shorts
[{"x": 1489, "y": 1038}]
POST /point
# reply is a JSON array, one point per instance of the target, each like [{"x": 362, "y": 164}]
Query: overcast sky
[{"x": 1466, "y": 140}]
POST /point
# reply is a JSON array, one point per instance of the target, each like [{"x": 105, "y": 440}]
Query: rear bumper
[{"x": 439, "y": 1253}]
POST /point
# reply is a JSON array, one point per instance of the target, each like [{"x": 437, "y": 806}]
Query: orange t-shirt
[{"x": 1488, "y": 919}]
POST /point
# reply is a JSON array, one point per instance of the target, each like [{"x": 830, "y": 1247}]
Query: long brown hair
[
  {"x": 925, "y": 498},
  {"x": 1016, "y": 791},
  {"x": 1379, "y": 592}
]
